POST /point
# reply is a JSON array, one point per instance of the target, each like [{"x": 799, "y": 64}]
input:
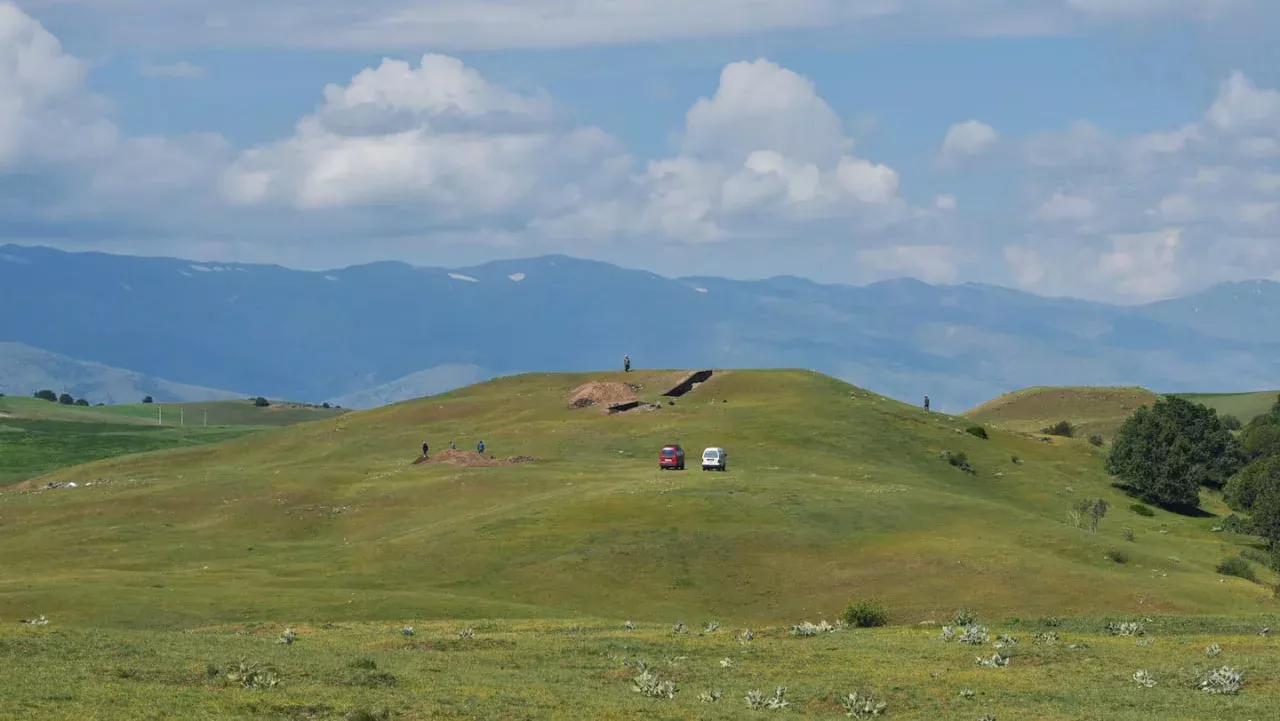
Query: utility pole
[
  {"x": 182, "y": 416},
  {"x": 159, "y": 415},
  {"x": 206, "y": 416}
]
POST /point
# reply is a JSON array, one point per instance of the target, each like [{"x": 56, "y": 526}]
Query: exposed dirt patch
[
  {"x": 471, "y": 459},
  {"x": 688, "y": 384},
  {"x": 602, "y": 394}
]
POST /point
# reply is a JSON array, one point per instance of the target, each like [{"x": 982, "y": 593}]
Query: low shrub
[
  {"x": 1061, "y": 428},
  {"x": 959, "y": 460},
  {"x": 1268, "y": 560},
  {"x": 1231, "y": 423},
  {"x": 1141, "y": 510},
  {"x": 865, "y": 614},
  {"x": 1128, "y": 534},
  {"x": 977, "y": 432},
  {"x": 649, "y": 684},
  {"x": 975, "y": 635},
  {"x": 1236, "y": 524},
  {"x": 251, "y": 675},
  {"x": 1225, "y": 680},
  {"x": 806, "y": 629},
  {"x": 1096, "y": 440},
  {"x": 1126, "y": 628},
  {"x": 1238, "y": 567},
  {"x": 1118, "y": 556},
  {"x": 776, "y": 702},
  {"x": 862, "y": 706}
]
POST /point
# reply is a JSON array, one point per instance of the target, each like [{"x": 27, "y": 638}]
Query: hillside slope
[
  {"x": 832, "y": 493},
  {"x": 1089, "y": 410},
  {"x": 24, "y": 370},
  {"x": 1245, "y": 406}
]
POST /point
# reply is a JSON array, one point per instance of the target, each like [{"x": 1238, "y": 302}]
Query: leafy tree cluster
[
  {"x": 1166, "y": 452},
  {"x": 65, "y": 399},
  {"x": 1061, "y": 428},
  {"x": 1256, "y": 489}
]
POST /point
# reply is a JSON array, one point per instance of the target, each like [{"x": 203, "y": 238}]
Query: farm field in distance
[
  {"x": 157, "y": 585},
  {"x": 38, "y": 436}
]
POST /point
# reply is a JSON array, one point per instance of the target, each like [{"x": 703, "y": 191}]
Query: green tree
[
  {"x": 46, "y": 395},
  {"x": 1266, "y": 515},
  {"x": 261, "y": 402},
  {"x": 82, "y": 402},
  {"x": 1261, "y": 437},
  {"x": 66, "y": 399},
  {"x": 1243, "y": 489},
  {"x": 147, "y": 399},
  {"x": 1165, "y": 452}
]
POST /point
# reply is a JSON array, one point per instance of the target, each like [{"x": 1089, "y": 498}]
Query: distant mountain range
[
  {"x": 24, "y": 370},
  {"x": 382, "y": 332}
]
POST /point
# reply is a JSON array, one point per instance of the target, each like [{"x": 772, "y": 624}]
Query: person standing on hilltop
[
  {"x": 626, "y": 363},
  {"x": 480, "y": 448},
  {"x": 926, "y": 403},
  {"x": 424, "y": 449}
]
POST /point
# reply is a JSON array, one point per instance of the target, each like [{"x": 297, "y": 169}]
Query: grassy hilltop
[
  {"x": 1101, "y": 410},
  {"x": 1090, "y": 411},
  {"x": 833, "y": 493}
]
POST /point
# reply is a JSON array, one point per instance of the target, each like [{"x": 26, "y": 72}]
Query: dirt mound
[
  {"x": 470, "y": 459},
  {"x": 602, "y": 394}
]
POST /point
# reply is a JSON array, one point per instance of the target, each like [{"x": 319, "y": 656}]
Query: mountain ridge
[{"x": 362, "y": 330}]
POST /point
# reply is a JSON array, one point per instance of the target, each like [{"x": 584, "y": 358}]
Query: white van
[{"x": 714, "y": 459}]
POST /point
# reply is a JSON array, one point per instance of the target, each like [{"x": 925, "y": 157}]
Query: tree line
[{"x": 1167, "y": 452}]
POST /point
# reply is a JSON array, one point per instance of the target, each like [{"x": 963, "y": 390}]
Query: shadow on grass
[{"x": 1180, "y": 509}]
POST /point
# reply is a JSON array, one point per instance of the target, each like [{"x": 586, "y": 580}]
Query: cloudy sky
[{"x": 1123, "y": 150}]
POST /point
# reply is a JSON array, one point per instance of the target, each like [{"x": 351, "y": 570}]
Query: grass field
[
  {"x": 37, "y": 436},
  {"x": 1245, "y": 406},
  {"x": 832, "y": 493},
  {"x": 1091, "y": 411},
  {"x": 582, "y": 668}
]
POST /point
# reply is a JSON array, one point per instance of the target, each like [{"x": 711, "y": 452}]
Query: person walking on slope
[
  {"x": 480, "y": 448},
  {"x": 926, "y": 403},
  {"x": 626, "y": 363},
  {"x": 424, "y": 449}
]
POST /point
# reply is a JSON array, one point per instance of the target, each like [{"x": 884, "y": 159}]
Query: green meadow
[{"x": 189, "y": 559}]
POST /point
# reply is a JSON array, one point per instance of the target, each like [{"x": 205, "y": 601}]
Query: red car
[{"x": 672, "y": 457}]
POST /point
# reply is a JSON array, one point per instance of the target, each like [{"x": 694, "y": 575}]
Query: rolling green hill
[
  {"x": 37, "y": 436},
  {"x": 1100, "y": 410},
  {"x": 1245, "y": 406},
  {"x": 832, "y": 492},
  {"x": 1090, "y": 410},
  {"x": 174, "y": 566}
]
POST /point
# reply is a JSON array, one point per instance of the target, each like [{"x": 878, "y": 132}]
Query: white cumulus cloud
[{"x": 966, "y": 140}]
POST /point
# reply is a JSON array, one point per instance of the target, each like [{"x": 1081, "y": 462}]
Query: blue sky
[{"x": 818, "y": 150}]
